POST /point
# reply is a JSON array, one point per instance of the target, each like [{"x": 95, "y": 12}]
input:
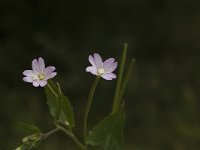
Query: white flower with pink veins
[
  {"x": 104, "y": 69},
  {"x": 39, "y": 75}
]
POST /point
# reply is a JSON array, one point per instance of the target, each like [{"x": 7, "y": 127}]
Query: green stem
[
  {"x": 71, "y": 135},
  {"x": 117, "y": 100},
  {"x": 126, "y": 78},
  {"x": 46, "y": 135},
  {"x": 88, "y": 105}
]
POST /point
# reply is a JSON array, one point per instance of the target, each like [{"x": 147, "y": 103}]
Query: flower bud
[
  {"x": 18, "y": 148},
  {"x": 26, "y": 139}
]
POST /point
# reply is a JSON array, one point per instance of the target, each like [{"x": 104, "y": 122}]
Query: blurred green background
[{"x": 162, "y": 99}]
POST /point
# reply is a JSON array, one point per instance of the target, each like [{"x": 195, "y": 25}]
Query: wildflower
[
  {"x": 100, "y": 68},
  {"x": 39, "y": 75}
]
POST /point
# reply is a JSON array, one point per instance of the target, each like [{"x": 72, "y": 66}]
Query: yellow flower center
[
  {"x": 37, "y": 77},
  {"x": 101, "y": 71},
  {"x": 41, "y": 76}
]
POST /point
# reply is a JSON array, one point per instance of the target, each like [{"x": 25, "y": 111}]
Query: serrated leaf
[
  {"x": 28, "y": 127},
  {"x": 103, "y": 132}
]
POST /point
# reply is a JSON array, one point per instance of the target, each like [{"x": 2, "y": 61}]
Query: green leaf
[
  {"x": 115, "y": 140},
  {"x": 66, "y": 114},
  {"x": 51, "y": 91},
  {"x": 59, "y": 105},
  {"x": 28, "y": 127},
  {"x": 108, "y": 132}
]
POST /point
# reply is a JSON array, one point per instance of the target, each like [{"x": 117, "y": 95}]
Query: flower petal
[
  {"x": 98, "y": 60},
  {"x": 49, "y": 70},
  {"x": 35, "y": 66},
  {"x": 43, "y": 83},
  {"x": 91, "y": 60},
  {"x": 28, "y": 73},
  {"x": 36, "y": 83},
  {"x": 41, "y": 64},
  {"x": 108, "y": 62},
  {"x": 92, "y": 69},
  {"x": 109, "y": 76},
  {"x": 28, "y": 79},
  {"x": 50, "y": 76},
  {"x": 111, "y": 68}
]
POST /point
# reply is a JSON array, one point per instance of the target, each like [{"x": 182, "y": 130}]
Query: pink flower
[
  {"x": 100, "y": 68},
  {"x": 39, "y": 75}
]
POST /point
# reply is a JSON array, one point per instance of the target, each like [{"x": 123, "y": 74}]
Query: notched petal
[
  {"x": 36, "y": 83},
  {"x": 109, "y": 76},
  {"x": 91, "y": 60},
  {"x": 50, "y": 76},
  {"x": 43, "y": 83},
  {"x": 28, "y": 72},
  {"x": 41, "y": 64},
  {"x": 28, "y": 79},
  {"x": 49, "y": 70},
  {"x": 35, "y": 66},
  {"x": 112, "y": 67},
  {"x": 108, "y": 62},
  {"x": 98, "y": 60},
  {"x": 92, "y": 69}
]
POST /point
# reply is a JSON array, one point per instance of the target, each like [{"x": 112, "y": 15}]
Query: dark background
[{"x": 162, "y": 99}]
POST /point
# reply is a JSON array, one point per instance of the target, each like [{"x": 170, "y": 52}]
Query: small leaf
[
  {"x": 102, "y": 133},
  {"x": 28, "y": 127}
]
